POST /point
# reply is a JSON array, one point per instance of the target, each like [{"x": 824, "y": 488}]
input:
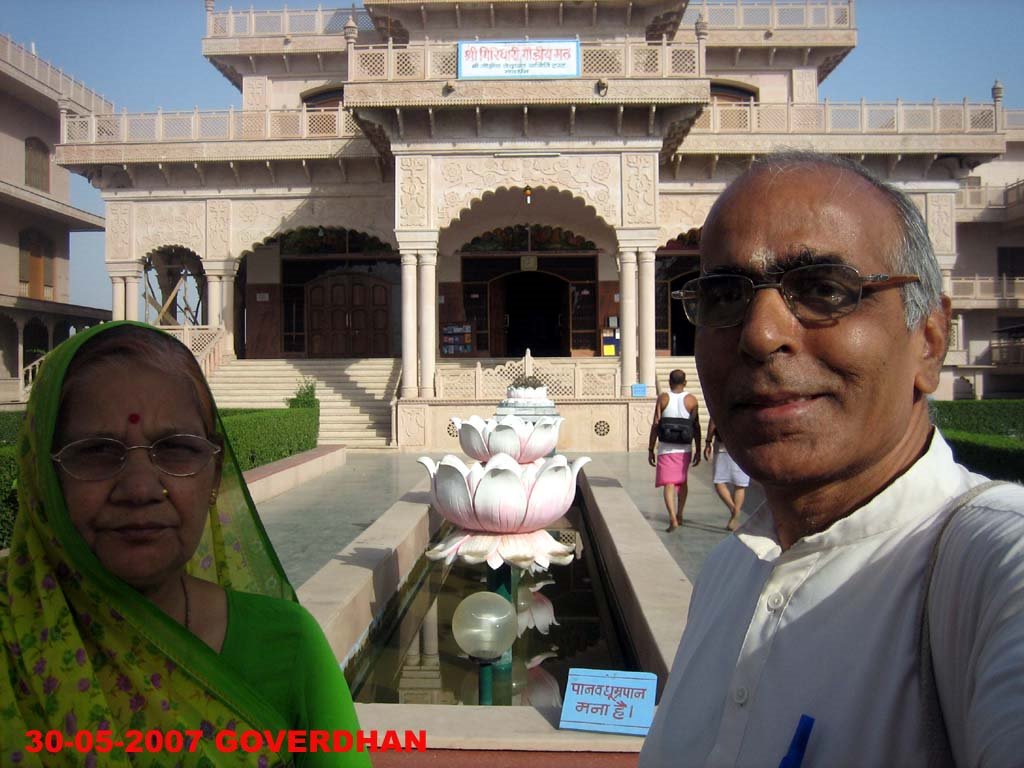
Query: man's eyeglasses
[
  {"x": 814, "y": 293},
  {"x": 101, "y": 458}
]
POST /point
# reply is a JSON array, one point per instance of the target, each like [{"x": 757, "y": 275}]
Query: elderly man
[{"x": 821, "y": 328}]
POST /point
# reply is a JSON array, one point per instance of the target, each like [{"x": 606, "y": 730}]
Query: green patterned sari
[{"x": 83, "y": 651}]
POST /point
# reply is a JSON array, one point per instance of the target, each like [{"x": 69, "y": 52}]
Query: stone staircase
[
  {"x": 355, "y": 395},
  {"x": 663, "y": 366}
]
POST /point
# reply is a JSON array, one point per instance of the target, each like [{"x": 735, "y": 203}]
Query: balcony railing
[
  {"x": 990, "y": 196},
  {"x": 1013, "y": 119},
  {"x": 254, "y": 23},
  {"x": 988, "y": 288},
  {"x": 223, "y": 125},
  {"x": 1008, "y": 346},
  {"x": 427, "y": 61},
  {"x": 770, "y": 14},
  {"x": 47, "y": 74},
  {"x": 856, "y": 117}
]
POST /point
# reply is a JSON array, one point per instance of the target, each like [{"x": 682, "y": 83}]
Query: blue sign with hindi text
[{"x": 609, "y": 701}]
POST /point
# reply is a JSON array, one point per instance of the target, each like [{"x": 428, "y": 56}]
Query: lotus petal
[
  {"x": 570, "y": 491},
  {"x": 542, "y": 439},
  {"x": 547, "y": 497},
  {"x": 500, "y": 500},
  {"x": 452, "y": 497},
  {"x": 542, "y": 688},
  {"x": 473, "y": 437},
  {"x": 530, "y": 551},
  {"x": 504, "y": 438}
]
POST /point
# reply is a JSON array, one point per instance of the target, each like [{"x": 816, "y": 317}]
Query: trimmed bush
[
  {"x": 8, "y": 493},
  {"x": 980, "y": 417},
  {"x": 10, "y": 423},
  {"x": 995, "y": 456},
  {"x": 264, "y": 436},
  {"x": 305, "y": 395}
]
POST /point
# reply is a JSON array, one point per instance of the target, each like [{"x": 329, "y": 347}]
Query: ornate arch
[
  {"x": 256, "y": 221},
  {"x": 595, "y": 179}
]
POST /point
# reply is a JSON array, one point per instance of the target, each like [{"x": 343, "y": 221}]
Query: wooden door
[
  {"x": 349, "y": 315},
  {"x": 497, "y": 319}
]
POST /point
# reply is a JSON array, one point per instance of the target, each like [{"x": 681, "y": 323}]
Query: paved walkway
[{"x": 310, "y": 524}]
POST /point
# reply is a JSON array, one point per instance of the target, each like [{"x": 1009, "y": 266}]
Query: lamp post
[{"x": 484, "y": 625}]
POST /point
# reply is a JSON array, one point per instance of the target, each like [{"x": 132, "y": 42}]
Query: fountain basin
[{"x": 348, "y": 597}]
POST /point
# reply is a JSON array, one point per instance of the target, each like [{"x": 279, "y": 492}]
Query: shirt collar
[{"x": 920, "y": 491}]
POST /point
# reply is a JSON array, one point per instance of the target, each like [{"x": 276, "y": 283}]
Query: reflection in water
[{"x": 412, "y": 658}]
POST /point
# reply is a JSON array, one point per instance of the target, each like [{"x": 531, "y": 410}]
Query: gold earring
[
  {"x": 166, "y": 493},
  {"x": 213, "y": 497}
]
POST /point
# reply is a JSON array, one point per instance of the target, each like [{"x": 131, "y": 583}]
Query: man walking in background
[
  {"x": 726, "y": 473},
  {"x": 676, "y": 426}
]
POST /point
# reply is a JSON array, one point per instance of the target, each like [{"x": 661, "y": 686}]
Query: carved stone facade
[
  {"x": 594, "y": 178},
  {"x": 119, "y": 229},
  {"x": 640, "y": 188},
  {"x": 413, "y": 192},
  {"x": 681, "y": 213},
  {"x": 161, "y": 224},
  {"x": 805, "y": 85},
  {"x": 942, "y": 223}
]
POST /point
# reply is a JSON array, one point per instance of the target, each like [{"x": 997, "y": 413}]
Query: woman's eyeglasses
[
  {"x": 101, "y": 458},
  {"x": 814, "y": 293}
]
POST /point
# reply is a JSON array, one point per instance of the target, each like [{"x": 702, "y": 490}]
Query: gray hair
[{"x": 913, "y": 253}]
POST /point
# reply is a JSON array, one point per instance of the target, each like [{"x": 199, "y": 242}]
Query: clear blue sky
[{"x": 144, "y": 54}]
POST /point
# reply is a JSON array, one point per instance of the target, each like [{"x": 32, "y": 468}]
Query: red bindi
[{"x": 133, "y": 418}]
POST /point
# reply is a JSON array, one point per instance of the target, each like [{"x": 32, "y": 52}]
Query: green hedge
[
  {"x": 10, "y": 423},
  {"x": 980, "y": 417},
  {"x": 8, "y": 493},
  {"x": 995, "y": 456},
  {"x": 257, "y": 436},
  {"x": 264, "y": 436}
]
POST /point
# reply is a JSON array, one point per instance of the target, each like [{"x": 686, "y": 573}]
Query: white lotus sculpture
[
  {"x": 523, "y": 441},
  {"x": 501, "y": 509},
  {"x": 534, "y": 610}
]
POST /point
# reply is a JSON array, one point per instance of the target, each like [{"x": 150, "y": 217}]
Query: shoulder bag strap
[{"x": 939, "y": 751}]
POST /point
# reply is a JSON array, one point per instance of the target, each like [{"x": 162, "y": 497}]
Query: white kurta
[{"x": 829, "y": 629}]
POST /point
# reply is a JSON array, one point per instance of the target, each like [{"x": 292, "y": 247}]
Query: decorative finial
[
  {"x": 351, "y": 30},
  {"x": 701, "y": 27},
  {"x": 209, "y": 5},
  {"x": 997, "y": 91}
]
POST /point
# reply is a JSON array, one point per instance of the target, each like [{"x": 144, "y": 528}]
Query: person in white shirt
[
  {"x": 676, "y": 425},
  {"x": 726, "y": 473},
  {"x": 866, "y": 592}
]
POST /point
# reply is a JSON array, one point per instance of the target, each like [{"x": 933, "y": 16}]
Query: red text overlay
[{"x": 134, "y": 741}]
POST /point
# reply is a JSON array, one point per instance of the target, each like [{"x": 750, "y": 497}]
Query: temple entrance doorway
[
  {"x": 536, "y": 314},
  {"x": 349, "y": 315}
]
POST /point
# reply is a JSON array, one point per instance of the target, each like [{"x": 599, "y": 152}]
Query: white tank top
[{"x": 675, "y": 409}]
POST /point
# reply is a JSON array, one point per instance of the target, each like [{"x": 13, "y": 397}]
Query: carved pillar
[
  {"x": 228, "y": 315},
  {"x": 427, "y": 306},
  {"x": 214, "y": 300},
  {"x": 627, "y": 319},
  {"x": 117, "y": 309},
  {"x": 409, "y": 373},
  {"x": 131, "y": 297},
  {"x": 645, "y": 312},
  {"x": 21, "y": 358}
]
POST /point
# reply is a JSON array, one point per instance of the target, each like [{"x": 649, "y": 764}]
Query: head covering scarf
[{"x": 84, "y": 652}]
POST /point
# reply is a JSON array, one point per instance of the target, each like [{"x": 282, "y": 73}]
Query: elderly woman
[{"x": 141, "y": 593}]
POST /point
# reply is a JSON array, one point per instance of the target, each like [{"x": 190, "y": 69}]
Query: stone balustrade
[
  {"x": 48, "y": 75},
  {"x": 827, "y": 117},
  {"x": 991, "y": 287},
  {"x": 219, "y": 125},
  {"x": 254, "y": 23},
  {"x": 430, "y": 60},
  {"x": 772, "y": 14}
]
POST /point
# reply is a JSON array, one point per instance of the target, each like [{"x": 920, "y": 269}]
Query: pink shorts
[{"x": 671, "y": 469}]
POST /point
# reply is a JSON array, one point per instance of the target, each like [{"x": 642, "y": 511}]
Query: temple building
[
  {"x": 36, "y": 217},
  {"x": 421, "y": 202}
]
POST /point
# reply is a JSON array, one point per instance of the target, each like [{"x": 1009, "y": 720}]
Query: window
[
  {"x": 37, "y": 164},
  {"x": 35, "y": 265}
]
